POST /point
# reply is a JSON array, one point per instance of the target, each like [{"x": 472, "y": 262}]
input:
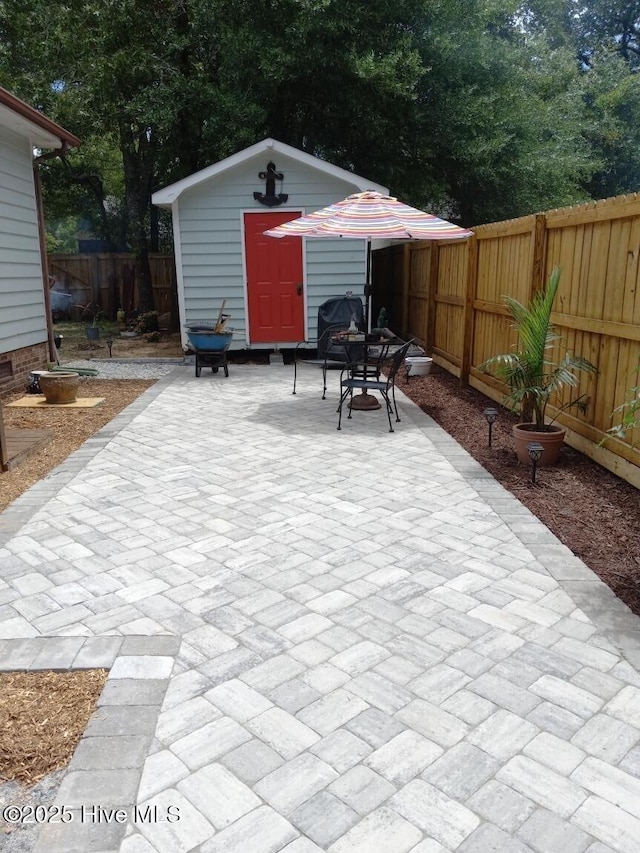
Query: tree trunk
[
  {"x": 154, "y": 229},
  {"x": 137, "y": 159},
  {"x": 528, "y": 409}
]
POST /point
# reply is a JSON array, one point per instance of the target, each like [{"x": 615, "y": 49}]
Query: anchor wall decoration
[{"x": 269, "y": 197}]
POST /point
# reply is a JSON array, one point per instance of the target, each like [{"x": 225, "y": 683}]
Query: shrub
[{"x": 531, "y": 377}]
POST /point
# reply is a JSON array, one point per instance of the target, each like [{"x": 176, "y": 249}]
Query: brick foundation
[{"x": 22, "y": 362}]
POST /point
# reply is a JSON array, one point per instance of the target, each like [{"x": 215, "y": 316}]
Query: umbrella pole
[
  {"x": 367, "y": 288},
  {"x": 363, "y": 401}
]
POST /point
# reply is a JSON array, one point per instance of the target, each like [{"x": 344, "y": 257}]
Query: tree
[
  {"x": 445, "y": 101},
  {"x": 614, "y": 26},
  {"x": 458, "y": 107},
  {"x": 612, "y": 101},
  {"x": 89, "y": 184},
  {"x": 503, "y": 108},
  {"x": 604, "y": 38},
  {"x": 178, "y": 85},
  {"x": 336, "y": 79},
  {"x": 107, "y": 70}
]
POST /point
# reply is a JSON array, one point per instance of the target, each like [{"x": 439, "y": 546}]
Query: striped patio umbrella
[{"x": 370, "y": 216}]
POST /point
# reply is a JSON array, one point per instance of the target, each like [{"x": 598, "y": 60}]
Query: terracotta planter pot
[
  {"x": 551, "y": 439},
  {"x": 59, "y": 387}
]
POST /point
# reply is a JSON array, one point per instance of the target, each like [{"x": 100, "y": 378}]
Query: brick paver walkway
[{"x": 381, "y": 650}]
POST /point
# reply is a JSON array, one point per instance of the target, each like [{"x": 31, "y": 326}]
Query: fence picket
[
  {"x": 108, "y": 280},
  {"x": 597, "y": 245}
]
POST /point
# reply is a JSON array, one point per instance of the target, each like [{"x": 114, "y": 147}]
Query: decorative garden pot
[
  {"x": 93, "y": 333},
  {"x": 551, "y": 439},
  {"x": 418, "y": 365},
  {"x": 59, "y": 387}
]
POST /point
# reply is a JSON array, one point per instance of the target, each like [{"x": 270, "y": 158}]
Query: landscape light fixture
[
  {"x": 109, "y": 343},
  {"x": 491, "y": 415},
  {"x": 535, "y": 452}
]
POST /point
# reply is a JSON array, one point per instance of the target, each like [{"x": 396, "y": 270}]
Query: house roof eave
[{"x": 26, "y": 121}]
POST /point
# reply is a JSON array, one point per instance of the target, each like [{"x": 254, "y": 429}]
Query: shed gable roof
[{"x": 165, "y": 197}]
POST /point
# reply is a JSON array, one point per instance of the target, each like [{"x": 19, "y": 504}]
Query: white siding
[
  {"x": 22, "y": 313},
  {"x": 211, "y": 241}
]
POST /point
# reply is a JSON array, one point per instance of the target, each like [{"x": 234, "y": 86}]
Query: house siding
[
  {"x": 211, "y": 241},
  {"x": 22, "y": 312}
]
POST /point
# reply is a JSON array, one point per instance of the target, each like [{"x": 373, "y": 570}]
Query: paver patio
[{"x": 379, "y": 649}]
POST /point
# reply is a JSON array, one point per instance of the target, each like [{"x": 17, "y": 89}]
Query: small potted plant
[
  {"x": 533, "y": 379},
  {"x": 93, "y": 331}
]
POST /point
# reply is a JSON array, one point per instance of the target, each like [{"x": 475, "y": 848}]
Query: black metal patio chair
[
  {"x": 327, "y": 357},
  {"x": 334, "y": 315},
  {"x": 350, "y": 380}
]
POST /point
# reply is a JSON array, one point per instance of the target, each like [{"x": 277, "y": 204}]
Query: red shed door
[{"x": 274, "y": 280}]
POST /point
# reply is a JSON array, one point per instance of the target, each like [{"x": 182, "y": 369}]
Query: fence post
[
  {"x": 468, "y": 316},
  {"x": 538, "y": 239},
  {"x": 434, "y": 263}
]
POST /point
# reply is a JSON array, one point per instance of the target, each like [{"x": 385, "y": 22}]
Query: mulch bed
[
  {"x": 593, "y": 512},
  {"x": 42, "y": 717}
]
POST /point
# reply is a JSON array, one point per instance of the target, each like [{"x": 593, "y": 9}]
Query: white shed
[
  {"x": 272, "y": 287},
  {"x": 24, "y": 324}
]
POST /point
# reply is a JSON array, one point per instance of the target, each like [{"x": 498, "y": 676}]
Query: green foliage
[
  {"x": 477, "y": 111},
  {"x": 588, "y": 26},
  {"x": 533, "y": 379},
  {"x": 611, "y": 24},
  {"x": 505, "y": 125},
  {"x": 612, "y": 106},
  {"x": 630, "y": 411},
  {"x": 603, "y": 38},
  {"x": 61, "y": 236},
  {"x": 335, "y": 79}
]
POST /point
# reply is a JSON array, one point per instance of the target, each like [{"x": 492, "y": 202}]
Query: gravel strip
[
  {"x": 126, "y": 370},
  {"x": 21, "y": 836}
]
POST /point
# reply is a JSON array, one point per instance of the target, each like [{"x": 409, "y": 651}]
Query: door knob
[{"x": 299, "y": 290}]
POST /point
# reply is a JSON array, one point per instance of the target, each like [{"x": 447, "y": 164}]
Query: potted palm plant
[{"x": 533, "y": 379}]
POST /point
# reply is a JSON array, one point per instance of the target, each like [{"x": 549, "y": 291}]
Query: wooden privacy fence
[
  {"x": 109, "y": 280},
  {"x": 450, "y": 296}
]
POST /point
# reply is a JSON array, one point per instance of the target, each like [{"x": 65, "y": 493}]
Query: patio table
[{"x": 365, "y": 355}]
